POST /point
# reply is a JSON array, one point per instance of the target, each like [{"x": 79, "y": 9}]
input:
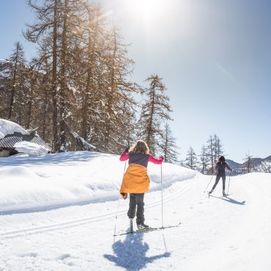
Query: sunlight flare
[{"x": 147, "y": 11}]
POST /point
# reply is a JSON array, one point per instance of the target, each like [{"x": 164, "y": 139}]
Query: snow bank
[
  {"x": 22, "y": 189},
  {"x": 30, "y": 148},
  {"x": 64, "y": 179}
]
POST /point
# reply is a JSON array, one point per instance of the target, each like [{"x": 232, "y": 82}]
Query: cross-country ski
[{"x": 149, "y": 229}]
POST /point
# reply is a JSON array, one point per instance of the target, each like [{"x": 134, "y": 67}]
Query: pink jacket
[{"x": 140, "y": 158}]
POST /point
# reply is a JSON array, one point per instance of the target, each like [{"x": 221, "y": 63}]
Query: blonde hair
[{"x": 140, "y": 147}]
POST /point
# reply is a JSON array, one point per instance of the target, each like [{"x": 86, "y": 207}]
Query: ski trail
[
  {"x": 92, "y": 219},
  {"x": 246, "y": 240},
  {"x": 215, "y": 234}
]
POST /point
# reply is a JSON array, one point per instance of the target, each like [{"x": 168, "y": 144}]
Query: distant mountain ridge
[{"x": 256, "y": 164}]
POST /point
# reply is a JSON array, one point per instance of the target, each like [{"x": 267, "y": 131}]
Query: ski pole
[
  {"x": 116, "y": 218},
  {"x": 117, "y": 210},
  {"x": 162, "y": 199},
  {"x": 208, "y": 184},
  {"x": 228, "y": 190}
]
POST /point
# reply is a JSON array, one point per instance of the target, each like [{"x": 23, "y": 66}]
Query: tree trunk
[
  {"x": 63, "y": 80},
  {"x": 13, "y": 88},
  {"x": 56, "y": 145}
]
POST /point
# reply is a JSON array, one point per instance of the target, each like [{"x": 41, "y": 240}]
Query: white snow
[
  {"x": 60, "y": 211},
  {"x": 31, "y": 148},
  {"x": 9, "y": 127}
]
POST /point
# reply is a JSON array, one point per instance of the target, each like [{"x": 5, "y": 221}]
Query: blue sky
[{"x": 214, "y": 57}]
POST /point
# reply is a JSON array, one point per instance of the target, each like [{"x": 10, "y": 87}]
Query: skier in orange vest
[{"x": 136, "y": 180}]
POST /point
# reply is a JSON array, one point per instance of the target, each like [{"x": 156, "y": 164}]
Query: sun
[
  {"x": 150, "y": 8},
  {"x": 157, "y": 20},
  {"x": 146, "y": 11}
]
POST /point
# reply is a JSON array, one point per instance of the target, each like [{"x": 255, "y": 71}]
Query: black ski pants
[
  {"x": 218, "y": 176},
  {"x": 136, "y": 205}
]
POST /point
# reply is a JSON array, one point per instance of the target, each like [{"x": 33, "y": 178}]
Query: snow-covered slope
[
  {"x": 58, "y": 180},
  {"x": 216, "y": 233}
]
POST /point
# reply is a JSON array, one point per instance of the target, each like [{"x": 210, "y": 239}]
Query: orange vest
[{"x": 135, "y": 180}]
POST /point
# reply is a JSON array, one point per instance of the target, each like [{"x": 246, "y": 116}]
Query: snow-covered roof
[
  {"x": 12, "y": 133},
  {"x": 9, "y": 127}
]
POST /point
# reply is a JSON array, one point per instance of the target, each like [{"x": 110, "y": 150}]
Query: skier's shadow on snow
[{"x": 131, "y": 253}]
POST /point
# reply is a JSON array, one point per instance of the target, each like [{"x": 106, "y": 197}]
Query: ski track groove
[{"x": 89, "y": 220}]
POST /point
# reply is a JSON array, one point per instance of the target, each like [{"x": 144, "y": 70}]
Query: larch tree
[
  {"x": 249, "y": 164},
  {"x": 204, "y": 160},
  {"x": 191, "y": 159},
  {"x": 79, "y": 83},
  {"x": 46, "y": 33},
  {"x": 56, "y": 29},
  {"x": 168, "y": 146},
  {"x": 218, "y": 150},
  {"x": 214, "y": 151},
  {"x": 155, "y": 110},
  {"x": 118, "y": 99},
  {"x": 16, "y": 84}
]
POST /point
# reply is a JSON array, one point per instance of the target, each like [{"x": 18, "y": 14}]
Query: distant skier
[
  {"x": 220, "y": 167},
  {"x": 136, "y": 180}
]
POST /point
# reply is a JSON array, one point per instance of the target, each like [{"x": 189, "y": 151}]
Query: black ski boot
[{"x": 142, "y": 227}]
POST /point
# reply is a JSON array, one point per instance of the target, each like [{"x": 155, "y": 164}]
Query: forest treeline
[
  {"x": 78, "y": 85},
  {"x": 78, "y": 89}
]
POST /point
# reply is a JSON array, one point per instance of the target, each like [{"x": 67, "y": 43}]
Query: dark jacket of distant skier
[
  {"x": 136, "y": 180},
  {"x": 221, "y": 167}
]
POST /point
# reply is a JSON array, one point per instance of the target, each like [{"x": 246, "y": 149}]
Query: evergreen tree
[
  {"x": 72, "y": 12},
  {"x": 249, "y": 165},
  {"x": 5, "y": 78},
  {"x": 41, "y": 103},
  {"x": 89, "y": 56},
  {"x": 155, "y": 110},
  {"x": 211, "y": 154},
  {"x": 168, "y": 146},
  {"x": 46, "y": 33},
  {"x": 217, "y": 147},
  {"x": 214, "y": 151},
  {"x": 30, "y": 98},
  {"x": 191, "y": 159},
  {"x": 118, "y": 99},
  {"x": 17, "y": 81},
  {"x": 56, "y": 32},
  {"x": 204, "y": 160},
  {"x": 78, "y": 84},
  {"x": 14, "y": 85}
]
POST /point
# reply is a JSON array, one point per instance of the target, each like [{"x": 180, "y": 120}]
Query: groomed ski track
[{"x": 216, "y": 233}]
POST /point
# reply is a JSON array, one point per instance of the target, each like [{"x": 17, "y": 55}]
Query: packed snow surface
[{"x": 60, "y": 212}]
